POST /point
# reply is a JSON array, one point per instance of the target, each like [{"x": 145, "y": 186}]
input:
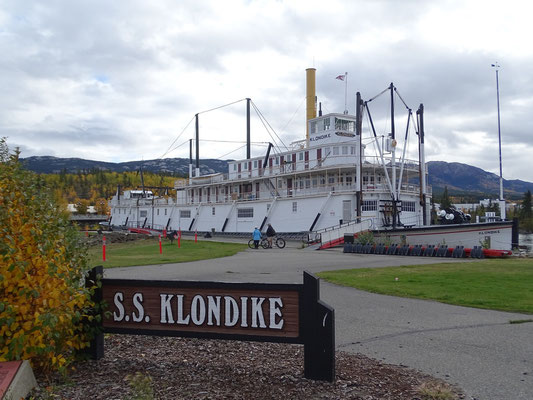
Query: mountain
[
  {"x": 175, "y": 166},
  {"x": 461, "y": 179}
]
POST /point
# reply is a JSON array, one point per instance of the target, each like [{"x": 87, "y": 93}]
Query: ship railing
[
  {"x": 301, "y": 165},
  {"x": 333, "y": 234},
  {"x": 296, "y": 192}
]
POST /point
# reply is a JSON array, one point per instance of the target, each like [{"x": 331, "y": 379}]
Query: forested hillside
[{"x": 95, "y": 187}]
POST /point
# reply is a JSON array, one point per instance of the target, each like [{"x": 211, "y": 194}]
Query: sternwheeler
[{"x": 331, "y": 183}]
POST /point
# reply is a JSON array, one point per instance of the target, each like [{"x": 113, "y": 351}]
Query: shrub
[{"x": 42, "y": 265}]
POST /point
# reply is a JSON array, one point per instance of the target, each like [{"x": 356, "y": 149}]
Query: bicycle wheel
[
  {"x": 264, "y": 243},
  {"x": 251, "y": 244},
  {"x": 280, "y": 242}
]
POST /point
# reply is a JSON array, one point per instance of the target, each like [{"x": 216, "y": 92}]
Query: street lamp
[{"x": 502, "y": 201}]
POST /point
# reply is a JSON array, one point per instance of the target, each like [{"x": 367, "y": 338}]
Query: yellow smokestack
[{"x": 310, "y": 98}]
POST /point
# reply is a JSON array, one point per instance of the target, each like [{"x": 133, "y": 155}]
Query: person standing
[
  {"x": 270, "y": 235},
  {"x": 257, "y": 237}
]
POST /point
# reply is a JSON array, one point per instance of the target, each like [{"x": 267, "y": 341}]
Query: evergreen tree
[{"x": 445, "y": 200}]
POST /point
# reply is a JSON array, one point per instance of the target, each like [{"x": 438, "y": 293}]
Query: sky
[{"x": 121, "y": 81}]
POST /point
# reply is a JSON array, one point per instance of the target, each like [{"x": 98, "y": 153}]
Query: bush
[{"x": 42, "y": 265}]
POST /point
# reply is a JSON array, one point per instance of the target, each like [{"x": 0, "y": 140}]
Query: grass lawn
[
  {"x": 146, "y": 252},
  {"x": 499, "y": 284}
]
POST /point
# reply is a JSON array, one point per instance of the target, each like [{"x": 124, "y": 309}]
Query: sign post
[{"x": 283, "y": 313}]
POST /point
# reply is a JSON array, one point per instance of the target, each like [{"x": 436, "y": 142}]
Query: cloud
[{"x": 102, "y": 80}]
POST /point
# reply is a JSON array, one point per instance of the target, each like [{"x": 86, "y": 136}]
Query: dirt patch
[{"x": 179, "y": 368}]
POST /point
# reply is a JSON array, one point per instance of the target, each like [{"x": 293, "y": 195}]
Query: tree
[
  {"x": 42, "y": 267},
  {"x": 526, "y": 213},
  {"x": 445, "y": 200}
]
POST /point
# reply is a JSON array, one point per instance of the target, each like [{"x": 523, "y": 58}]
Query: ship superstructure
[{"x": 324, "y": 180}]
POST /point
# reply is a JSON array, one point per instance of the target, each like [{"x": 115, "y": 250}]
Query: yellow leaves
[{"x": 39, "y": 285}]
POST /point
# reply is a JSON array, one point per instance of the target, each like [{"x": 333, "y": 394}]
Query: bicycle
[{"x": 278, "y": 241}]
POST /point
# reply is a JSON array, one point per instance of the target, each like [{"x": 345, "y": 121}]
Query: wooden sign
[{"x": 288, "y": 313}]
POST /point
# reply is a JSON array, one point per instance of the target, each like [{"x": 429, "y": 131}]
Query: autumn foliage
[{"x": 42, "y": 296}]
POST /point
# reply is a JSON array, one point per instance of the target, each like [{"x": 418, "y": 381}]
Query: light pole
[{"x": 502, "y": 201}]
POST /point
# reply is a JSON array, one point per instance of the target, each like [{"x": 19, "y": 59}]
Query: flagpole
[{"x": 345, "y": 93}]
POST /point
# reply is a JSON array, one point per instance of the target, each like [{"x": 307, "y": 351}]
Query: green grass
[
  {"x": 502, "y": 284},
  {"x": 146, "y": 252}
]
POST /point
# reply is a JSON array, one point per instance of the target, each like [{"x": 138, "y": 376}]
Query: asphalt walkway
[{"x": 479, "y": 350}]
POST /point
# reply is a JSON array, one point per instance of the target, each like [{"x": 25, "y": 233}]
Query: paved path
[{"x": 478, "y": 350}]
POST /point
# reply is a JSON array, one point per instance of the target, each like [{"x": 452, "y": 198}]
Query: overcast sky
[{"x": 120, "y": 81}]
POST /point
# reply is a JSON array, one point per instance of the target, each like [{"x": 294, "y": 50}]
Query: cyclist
[
  {"x": 270, "y": 234},
  {"x": 257, "y": 237}
]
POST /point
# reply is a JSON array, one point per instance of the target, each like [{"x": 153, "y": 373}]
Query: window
[
  {"x": 408, "y": 206},
  {"x": 335, "y": 151},
  {"x": 344, "y": 125},
  {"x": 344, "y": 150},
  {"x": 165, "y": 211},
  {"x": 235, "y": 167},
  {"x": 213, "y": 211},
  {"x": 143, "y": 213},
  {"x": 245, "y": 212},
  {"x": 352, "y": 150},
  {"x": 158, "y": 211},
  {"x": 255, "y": 163},
  {"x": 185, "y": 213},
  {"x": 327, "y": 150},
  {"x": 277, "y": 161},
  {"x": 294, "y": 206},
  {"x": 326, "y": 124},
  {"x": 307, "y": 183},
  {"x": 300, "y": 156},
  {"x": 322, "y": 180},
  {"x": 315, "y": 182},
  {"x": 369, "y": 205},
  {"x": 312, "y": 127},
  {"x": 331, "y": 180},
  {"x": 348, "y": 180}
]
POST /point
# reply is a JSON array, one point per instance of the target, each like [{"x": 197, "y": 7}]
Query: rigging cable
[
  {"x": 175, "y": 140},
  {"x": 192, "y": 119},
  {"x": 263, "y": 119}
]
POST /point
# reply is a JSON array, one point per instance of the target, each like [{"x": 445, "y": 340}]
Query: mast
[
  {"x": 393, "y": 157},
  {"x": 248, "y": 150},
  {"x": 422, "y": 162},
  {"x": 359, "y": 149},
  {"x": 190, "y": 158},
  {"x": 197, "y": 147},
  {"x": 502, "y": 201}
]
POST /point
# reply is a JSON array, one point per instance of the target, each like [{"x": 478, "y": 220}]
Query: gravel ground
[{"x": 179, "y": 368}]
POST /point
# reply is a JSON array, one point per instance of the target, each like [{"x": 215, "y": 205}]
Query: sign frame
[{"x": 315, "y": 319}]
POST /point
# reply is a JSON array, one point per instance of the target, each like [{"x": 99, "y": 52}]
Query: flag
[{"x": 341, "y": 77}]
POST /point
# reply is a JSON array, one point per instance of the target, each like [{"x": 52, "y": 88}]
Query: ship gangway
[{"x": 334, "y": 235}]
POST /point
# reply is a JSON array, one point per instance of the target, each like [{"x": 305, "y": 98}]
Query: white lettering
[
  {"x": 232, "y": 311},
  {"x": 166, "y": 311},
  {"x": 213, "y": 310},
  {"x": 118, "y": 299},
  {"x": 198, "y": 310},
  {"x": 181, "y": 320},
  {"x": 137, "y": 302},
  {"x": 275, "y": 304},
  {"x": 244, "y": 312},
  {"x": 257, "y": 312}
]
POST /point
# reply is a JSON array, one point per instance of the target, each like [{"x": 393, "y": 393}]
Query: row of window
[
  {"x": 325, "y": 124},
  {"x": 327, "y": 151},
  {"x": 248, "y": 212}
]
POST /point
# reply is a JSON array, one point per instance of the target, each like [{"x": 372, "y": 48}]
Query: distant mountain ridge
[
  {"x": 180, "y": 166},
  {"x": 466, "y": 179},
  {"x": 461, "y": 179}
]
